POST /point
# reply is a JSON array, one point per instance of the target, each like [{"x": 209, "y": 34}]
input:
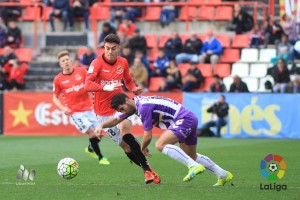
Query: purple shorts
[{"x": 185, "y": 127}]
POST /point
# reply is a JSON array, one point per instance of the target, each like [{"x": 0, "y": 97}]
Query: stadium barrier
[
  {"x": 252, "y": 115},
  {"x": 1, "y": 113}
]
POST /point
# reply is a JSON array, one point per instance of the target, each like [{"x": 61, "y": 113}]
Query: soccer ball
[
  {"x": 273, "y": 167},
  {"x": 67, "y": 168}
]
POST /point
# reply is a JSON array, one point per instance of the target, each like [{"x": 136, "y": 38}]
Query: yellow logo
[{"x": 20, "y": 115}]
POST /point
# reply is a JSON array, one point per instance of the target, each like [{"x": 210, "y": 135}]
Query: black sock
[
  {"x": 94, "y": 143},
  {"x": 90, "y": 148},
  {"x": 136, "y": 150},
  {"x": 132, "y": 158}
]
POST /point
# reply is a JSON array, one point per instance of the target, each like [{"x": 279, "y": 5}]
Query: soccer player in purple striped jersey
[{"x": 180, "y": 125}]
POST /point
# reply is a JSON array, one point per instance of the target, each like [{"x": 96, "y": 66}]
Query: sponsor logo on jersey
[
  {"x": 91, "y": 69},
  {"x": 102, "y": 82},
  {"x": 75, "y": 88},
  {"x": 78, "y": 77},
  {"x": 106, "y": 70},
  {"x": 119, "y": 70},
  {"x": 65, "y": 81}
]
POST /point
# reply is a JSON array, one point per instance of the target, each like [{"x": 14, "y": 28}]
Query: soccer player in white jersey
[{"x": 180, "y": 125}]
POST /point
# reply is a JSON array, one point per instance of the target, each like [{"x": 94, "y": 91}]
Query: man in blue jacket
[
  {"x": 211, "y": 50},
  {"x": 60, "y": 9}
]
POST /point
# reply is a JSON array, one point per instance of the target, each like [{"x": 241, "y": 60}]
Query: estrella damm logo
[{"x": 272, "y": 167}]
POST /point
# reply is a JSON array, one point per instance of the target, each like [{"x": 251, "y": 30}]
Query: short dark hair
[
  {"x": 63, "y": 53},
  {"x": 112, "y": 38},
  {"x": 118, "y": 99},
  {"x": 223, "y": 96}
]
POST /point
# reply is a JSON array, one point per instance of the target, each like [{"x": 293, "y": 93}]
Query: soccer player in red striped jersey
[
  {"x": 104, "y": 79},
  {"x": 77, "y": 103}
]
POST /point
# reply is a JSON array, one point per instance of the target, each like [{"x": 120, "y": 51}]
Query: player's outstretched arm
[
  {"x": 107, "y": 124},
  {"x": 146, "y": 141}
]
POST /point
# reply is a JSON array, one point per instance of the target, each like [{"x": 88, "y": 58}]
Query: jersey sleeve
[
  {"x": 130, "y": 85},
  {"x": 56, "y": 86},
  {"x": 92, "y": 73},
  {"x": 145, "y": 112}
]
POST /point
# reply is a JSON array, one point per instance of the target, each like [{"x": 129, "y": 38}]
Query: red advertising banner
[{"x": 30, "y": 113}]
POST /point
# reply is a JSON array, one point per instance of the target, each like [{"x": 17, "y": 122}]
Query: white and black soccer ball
[
  {"x": 273, "y": 167},
  {"x": 67, "y": 168}
]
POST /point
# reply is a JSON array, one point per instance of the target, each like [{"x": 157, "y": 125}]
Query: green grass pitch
[{"x": 122, "y": 180}]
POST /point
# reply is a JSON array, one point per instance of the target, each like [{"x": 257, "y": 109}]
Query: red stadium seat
[
  {"x": 206, "y": 13},
  {"x": 188, "y": 13},
  {"x": 1, "y": 51},
  {"x": 152, "y": 54},
  {"x": 163, "y": 39},
  {"x": 224, "y": 39},
  {"x": 80, "y": 52},
  {"x": 155, "y": 83},
  {"x": 222, "y": 70},
  {"x": 208, "y": 81},
  {"x": 99, "y": 13},
  {"x": 224, "y": 13},
  {"x": 46, "y": 12},
  {"x": 230, "y": 56},
  {"x": 152, "y": 13},
  {"x": 206, "y": 69},
  {"x": 152, "y": 40},
  {"x": 240, "y": 41},
  {"x": 31, "y": 13},
  {"x": 24, "y": 54},
  {"x": 183, "y": 68}
]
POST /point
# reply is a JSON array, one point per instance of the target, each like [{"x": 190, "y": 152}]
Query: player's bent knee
[{"x": 159, "y": 145}]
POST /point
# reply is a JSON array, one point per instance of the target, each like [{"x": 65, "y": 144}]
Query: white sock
[
  {"x": 211, "y": 166},
  {"x": 178, "y": 154}
]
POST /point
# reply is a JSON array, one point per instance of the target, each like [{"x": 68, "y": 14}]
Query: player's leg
[{"x": 125, "y": 129}]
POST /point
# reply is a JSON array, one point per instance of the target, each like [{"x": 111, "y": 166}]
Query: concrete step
[
  {"x": 38, "y": 78},
  {"x": 66, "y": 39},
  {"x": 44, "y": 64},
  {"x": 43, "y": 71},
  {"x": 39, "y": 85}
]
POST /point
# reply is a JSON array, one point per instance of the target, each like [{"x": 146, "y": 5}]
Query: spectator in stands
[
  {"x": 77, "y": 63},
  {"x": 60, "y": 9},
  {"x": 290, "y": 28},
  {"x": 255, "y": 36},
  {"x": 6, "y": 60},
  {"x": 106, "y": 30},
  {"x": 242, "y": 22},
  {"x": 116, "y": 13},
  {"x": 238, "y": 86},
  {"x": 138, "y": 42},
  {"x": 217, "y": 85},
  {"x": 48, "y": 2},
  {"x": 191, "y": 50},
  {"x": 80, "y": 8},
  {"x": 174, "y": 78},
  {"x": 92, "y": 2},
  {"x": 145, "y": 61},
  {"x": 163, "y": 87},
  {"x": 139, "y": 72},
  {"x": 294, "y": 86},
  {"x": 126, "y": 52},
  {"x": 161, "y": 64},
  {"x": 219, "y": 111},
  {"x": 295, "y": 53},
  {"x": 173, "y": 45},
  {"x": 193, "y": 79},
  {"x": 127, "y": 27},
  {"x": 281, "y": 76},
  {"x": 16, "y": 75},
  {"x": 13, "y": 12},
  {"x": 7, "y": 56},
  {"x": 14, "y": 35},
  {"x": 273, "y": 32},
  {"x": 284, "y": 48},
  {"x": 3, "y": 34},
  {"x": 211, "y": 50},
  {"x": 133, "y": 12},
  {"x": 168, "y": 14},
  {"x": 88, "y": 57}
]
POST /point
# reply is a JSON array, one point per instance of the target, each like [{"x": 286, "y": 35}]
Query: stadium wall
[{"x": 251, "y": 115}]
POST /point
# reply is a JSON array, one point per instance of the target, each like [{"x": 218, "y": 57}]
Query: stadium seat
[
  {"x": 152, "y": 54},
  {"x": 188, "y": 13},
  {"x": 163, "y": 39},
  {"x": 31, "y": 13},
  {"x": 80, "y": 52},
  {"x": 227, "y": 82},
  {"x": 46, "y": 11},
  {"x": 265, "y": 55},
  {"x": 240, "y": 69},
  {"x": 262, "y": 82},
  {"x": 240, "y": 41},
  {"x": 222, "y": 70},
  {"x": 208, "y": 81},
  {"x": 155, "y": 83},
  {"x": 1, "y": 51},
  {"x": 249, "y": 55},
  {"x": 206, "y": 13},
  {"x": 24, "y": 54},
  {"x": 258, "y": 70},
  {"x": 224, "y": 40},
  {"x": 224, "y": 13},
  {"x": 152, "y": 13},
  {"x": 206, "y": 69},
  {"x": 184, "y": 37},
  {"x": 99, "y": 13},
  {"x": 183, "y": 68},
  {"x": 252, "y": 83},
  {"x": 152, "y": 40},
  {"x": 230, "y": 56}
]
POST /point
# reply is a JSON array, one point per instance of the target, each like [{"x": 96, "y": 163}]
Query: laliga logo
[{"x": 272, "y": 167}]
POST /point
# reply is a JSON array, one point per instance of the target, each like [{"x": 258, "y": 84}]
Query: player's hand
[
  {"x": 137, "y": 91},
  {"x": 146, "y": 152},
  {"x": 66, "y": 111},
  {"x": 98, "y": 132},
  {"x": 117, "y": 86}
]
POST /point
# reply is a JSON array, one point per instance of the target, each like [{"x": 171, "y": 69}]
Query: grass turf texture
[{"x": 122, "y": 180}]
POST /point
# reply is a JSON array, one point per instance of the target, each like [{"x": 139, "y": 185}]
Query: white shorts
[
  {"x": 113, "y": 132},
  {"x": 84, "y": 120}
]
